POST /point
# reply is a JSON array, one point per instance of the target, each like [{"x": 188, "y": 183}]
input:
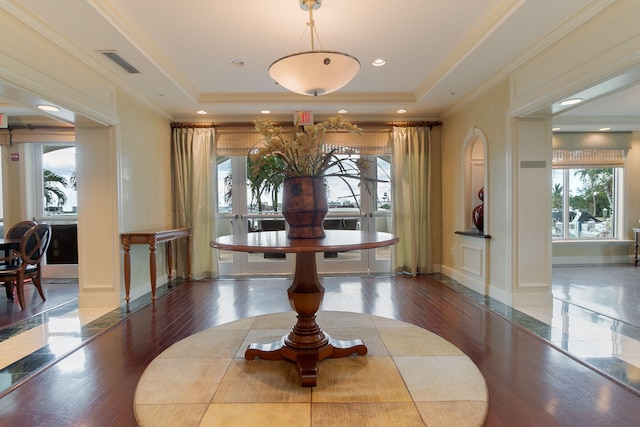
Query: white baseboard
[
  {"x": 99, "y": 300},
  {"x": 464, "y": 279}
]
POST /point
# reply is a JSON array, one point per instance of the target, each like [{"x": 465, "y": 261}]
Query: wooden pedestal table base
[{"x": 306, "y": 344}]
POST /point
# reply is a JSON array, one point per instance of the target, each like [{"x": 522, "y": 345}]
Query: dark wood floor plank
[{"x": 530, "y": 383}]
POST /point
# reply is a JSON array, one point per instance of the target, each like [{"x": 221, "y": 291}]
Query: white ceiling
[{"x": 436, "y": 53}]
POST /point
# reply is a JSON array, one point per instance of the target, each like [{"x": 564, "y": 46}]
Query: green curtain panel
[
  {"x": 412, "y": 181},
  {"x": 192, "y": 157}
]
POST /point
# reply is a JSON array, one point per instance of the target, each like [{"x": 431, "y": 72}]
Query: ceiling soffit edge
[
  {"x": 474, "y": 38},
  {"x": 88, "y": 60},
  {"x": 281, "y": 98},
  {"x": 562, "y": 30},
  {"x": 145, "y": 45}
]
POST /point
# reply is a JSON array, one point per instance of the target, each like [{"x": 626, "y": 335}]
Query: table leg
[
  {"x": 127, "y": 270},
  {"x": 152, "y": 269},
  {"x": 306, "y": 344},
  {"x": 169, "y": 261},
  {"x": 189, "y": 256},
  {"x": 635, "y": 238}
]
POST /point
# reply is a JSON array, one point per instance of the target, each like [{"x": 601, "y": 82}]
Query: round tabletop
[{"x": 277, "y": 242}]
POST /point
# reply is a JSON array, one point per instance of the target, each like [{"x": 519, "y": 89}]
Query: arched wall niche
[{"x": 476, "y": 177}]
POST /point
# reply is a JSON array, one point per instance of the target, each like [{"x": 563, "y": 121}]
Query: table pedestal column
[{"x": 306, "y": 344}]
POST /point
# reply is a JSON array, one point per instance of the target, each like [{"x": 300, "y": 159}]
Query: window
[
  {"x": 585, "y": 202},
  {"x": 246, "y": 205},
  {"x": 588, "y": 184},
  {"x": 56, "y": 192}
]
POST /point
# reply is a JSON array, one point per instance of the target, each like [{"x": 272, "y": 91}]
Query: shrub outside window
[{"x": 584, "y": 202}]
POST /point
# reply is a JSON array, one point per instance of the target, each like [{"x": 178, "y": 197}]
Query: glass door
[
  {"x": 56, "y": 204},
  {"x": 244, "y": 206}
]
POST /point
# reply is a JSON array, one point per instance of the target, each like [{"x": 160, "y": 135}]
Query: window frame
[
  {"x": 615, "y": 233},
  {"x": 41, "y": 215}
]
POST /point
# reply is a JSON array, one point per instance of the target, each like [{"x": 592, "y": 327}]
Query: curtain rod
[
  {"x": 416, "y": 124},
  {"x": 245, "y": 124},
  {"x": 191, "y": 125}
]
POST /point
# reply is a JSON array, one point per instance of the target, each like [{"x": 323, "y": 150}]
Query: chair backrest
[
  {"x": 19, "y": 229},
  {"x": 34, "y": 243}
]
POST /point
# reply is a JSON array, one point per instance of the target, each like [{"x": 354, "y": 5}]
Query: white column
[
  {"x": 98, "y": 235},
  {"x": 531, "y": 213}
]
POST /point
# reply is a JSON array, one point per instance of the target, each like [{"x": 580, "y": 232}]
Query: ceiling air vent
[{"x": 113, "y": 55}]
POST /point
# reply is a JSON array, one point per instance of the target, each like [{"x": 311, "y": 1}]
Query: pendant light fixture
[{"x": 314, "y": 72}]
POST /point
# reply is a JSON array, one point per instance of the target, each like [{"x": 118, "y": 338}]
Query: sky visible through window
[
  {"x": 63, "y": 162},
  {"x": 339, "y": 192}
]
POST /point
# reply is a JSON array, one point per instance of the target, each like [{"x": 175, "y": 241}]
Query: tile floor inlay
[
  {"x": 607, "y": 345},
  {"x": 409, "y": 376},
  {"x": 33, "y": 344}
]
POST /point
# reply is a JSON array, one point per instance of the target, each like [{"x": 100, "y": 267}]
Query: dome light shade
[{"x": 314, "y": 73}]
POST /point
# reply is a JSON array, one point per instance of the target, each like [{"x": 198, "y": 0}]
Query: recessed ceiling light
[
  {"x": 572, "y": 101},
  {"x": 50, "y": 108},
  {"x": 604, "y": 129},
  {"x": 265, "y": 111},
  {"x": 236, "y": 62},
  {"x": 401, "y": 111},
  {"x": 342, "y": 111},
  {"x": 554, "y": 129},
  {"x": 201, "y": 112},
  {"x": 378, "y": 62}
]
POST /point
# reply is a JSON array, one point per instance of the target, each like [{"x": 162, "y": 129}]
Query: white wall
[{"x": 144, "y": 155}]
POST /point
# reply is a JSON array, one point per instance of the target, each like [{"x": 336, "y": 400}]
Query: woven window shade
[
  {"x": 43, "y": 134},
  {"x": 238, "y": 140},
  {"x": 588, "y": 157}
]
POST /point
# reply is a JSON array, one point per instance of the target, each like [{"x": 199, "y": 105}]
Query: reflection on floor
[
  {"x": 37, "y": 342},
  {"x": 595, "y": 318}
]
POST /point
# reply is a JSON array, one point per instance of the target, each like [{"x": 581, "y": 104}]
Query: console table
[
  {"x": 307, "y": 344},
  {"x": 152, "y": 238}
]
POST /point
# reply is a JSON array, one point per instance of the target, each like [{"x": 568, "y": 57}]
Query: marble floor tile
[
  {"x": 442, "y": 378},
  {"x": 350, "y": 391},
  {"x": 360, "y": 379},
  {"x": 257, "y": 414},
  {"x": 188, "y": 380}
]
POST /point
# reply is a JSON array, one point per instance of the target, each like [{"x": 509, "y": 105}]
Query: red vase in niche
[{"x": 478, "y": 212}]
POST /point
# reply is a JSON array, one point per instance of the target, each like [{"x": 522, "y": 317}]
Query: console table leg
[
  {"x": 127, "y": 271},
  {"x": 152, "y": 270},
  {"x": 169, "y": 246},
  {"x": 636, "y": 231}
]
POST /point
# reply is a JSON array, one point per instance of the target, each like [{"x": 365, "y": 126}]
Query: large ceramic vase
[
  {"x": 478, "y": 212},
  {"x": 304, "y": 206}
]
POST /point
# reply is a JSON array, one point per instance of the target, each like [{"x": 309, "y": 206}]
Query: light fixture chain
[
  {"x": 312, "y": 28},
  {"x": 313, "y": 32}
]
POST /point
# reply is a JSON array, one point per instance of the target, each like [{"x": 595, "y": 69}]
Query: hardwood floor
[{"x": 530, "y": 382}]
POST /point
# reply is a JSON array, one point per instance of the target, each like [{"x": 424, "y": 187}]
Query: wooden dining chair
[
  {"x": 33, "y": 246},
  {"x": 16, "y": 231},
  {"x": 19, "y": 229}
]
